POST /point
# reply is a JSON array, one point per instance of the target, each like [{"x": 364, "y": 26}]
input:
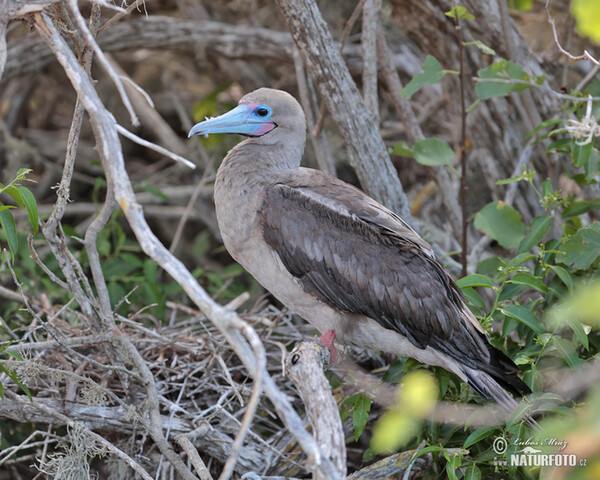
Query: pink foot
[{"x": 327, "y": 340}]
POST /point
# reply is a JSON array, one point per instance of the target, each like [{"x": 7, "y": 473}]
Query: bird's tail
[{"x": 489, "y": 387}]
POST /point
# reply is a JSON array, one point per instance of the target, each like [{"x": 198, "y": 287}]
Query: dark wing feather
[{"x": 358, "y": 257}]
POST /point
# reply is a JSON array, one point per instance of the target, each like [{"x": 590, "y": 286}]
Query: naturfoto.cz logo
[{"x": 534, "y": 453}]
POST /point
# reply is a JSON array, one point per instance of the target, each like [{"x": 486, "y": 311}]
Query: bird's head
[{"x": 258, "y": 113}]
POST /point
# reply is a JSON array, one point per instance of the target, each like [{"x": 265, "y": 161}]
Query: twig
[
  {"x": 67, "y": 421},
  {"x": 41, "y": 264},
  {"x": 394, "y": 465},
  {"x": 192, "y": 453},
  {"x": 149, "y": 116},
  {"x": 369, "y": 47},
  {"x": 208, "y": 171},
  {"x": 3, "y": 49},
  {"x": 118, "y": 16},
  {"x": 317, "y": 135},
  {"x": 91, "y": 42},
  {"x": 261, "y": 366},
  {"x": 521, "y": 162},
  {"x": 51, "y": 331},
  {"x": 586, "y": 55},
  {"x": 402, "y": 105},
  {"x": 463, "y": 146},
  {"x": 10, "y": 295},
  {"x": 91, "y": 236},
  {"x": 406, "y": 475},
  {"x": 74, "y": 132},
  {"x": 10, "y": 451},
  {"x": 152, "y": 146},
  {"x": 542, "y": 88},
  {"x": 588, "y": 77},
  {"x": 345, "y": 32},
  {"x": 367, "y": 152}
]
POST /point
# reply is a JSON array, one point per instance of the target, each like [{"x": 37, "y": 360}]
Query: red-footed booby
[{"x": 351, "y": 267}]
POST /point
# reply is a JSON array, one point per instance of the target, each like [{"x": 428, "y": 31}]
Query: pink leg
[{"x": 327, "y": 340}]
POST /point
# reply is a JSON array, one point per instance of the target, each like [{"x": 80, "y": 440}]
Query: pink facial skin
[{"x": 264, "y": 127}]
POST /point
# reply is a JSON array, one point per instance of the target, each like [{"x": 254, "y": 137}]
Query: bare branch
[
  {"x": 91, "y": 42},
  {"x": 585, "y": 56},
  {"x": 101, "y": 440},
  {"x": 367, "y": 152},
  {"x": 369, "y": 45},
  {"x": 316, "y": 135},
  {"x": 304, "y": 366},
  {"x": 152, "y": 146}
]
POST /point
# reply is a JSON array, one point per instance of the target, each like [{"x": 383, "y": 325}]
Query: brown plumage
[{"x": 337, "y": 257}]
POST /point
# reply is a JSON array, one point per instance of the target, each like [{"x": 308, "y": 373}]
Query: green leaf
[
  {"x": 591, "y": 166},
  {"x": 508, "y": 325},
  {"x": 368, "y": 455},
  {"x": 402, "y": 149},
  {"x": 490, "y": 266},
  {"x": 451, "y": 465},
  {"x": 544, "y": 125},
  {"x": 10, "y": 229},
  {"x": 537, "y": 231},
  {"x": 582, "y": 248},
  {"x": 564, "y": 276},
  {"x": 502, "y": 70},
  {"x": 23, "y": 172},
  {"x": 521, "y": 258},
  {"x": 525, "y": 316},
  {"x": 502, "y": 223},
  {"x": 432, "y": 152},
  {"x": 15, "y": 378},
  {"x": 460, "y": 13},
  {"x": 432, "y": 74},
  {"x": 473, "y": 473},
  {"x": 581, "y": 152},
  {"x": 562, "y": 145},
  {"x": 347, "y": 407},
  {"x": 151, "y": 189},
  {"x": 579, "y": 332},
  {"x": 473, "y": 297},
  {"x": 577, "y": 208},
  {"x": 15, "y": 194},
  {"x": 478, "y": 435},
  {"x": 31, "y": 205},
  {"x": 481, "y": 46},
  {"x": 567, "y": 352},
  {"x": 529, "y": 280},
  {"x": 475, "y": 280},
  {"x": 443, "y": 378},
  {"x": 395, "y": 371},
  {"x": 361, "y": 414}
]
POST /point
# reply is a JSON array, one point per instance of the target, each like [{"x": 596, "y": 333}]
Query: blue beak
[{"x": 243, "y": 120}]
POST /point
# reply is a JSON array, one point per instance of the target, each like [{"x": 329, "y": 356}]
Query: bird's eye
[{"x": 262, "y": 111}]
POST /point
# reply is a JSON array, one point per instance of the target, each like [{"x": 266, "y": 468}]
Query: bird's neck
[
  {"x": 255, "y": 162},
  {"x": 241, "y": 181}
]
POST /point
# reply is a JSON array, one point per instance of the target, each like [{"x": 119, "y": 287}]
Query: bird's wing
[{"x": 357, "y": 256}]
